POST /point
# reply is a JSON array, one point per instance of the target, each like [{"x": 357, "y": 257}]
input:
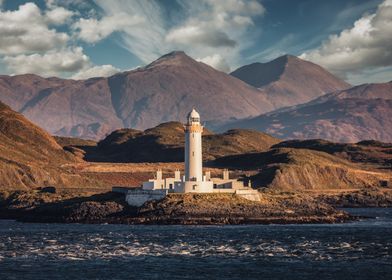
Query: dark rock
[{"x": 48, "y": 190}]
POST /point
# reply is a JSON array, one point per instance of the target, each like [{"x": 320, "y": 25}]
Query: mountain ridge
[
  {"x": 164, "y": 90},
  {"x": 360, "y": 113}
]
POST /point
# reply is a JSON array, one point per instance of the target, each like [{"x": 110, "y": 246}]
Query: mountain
[
  {"x": 359, "y": 113},
  {"x": 162, "y": 91},
  {"x": 29, "y": 156},
  {"x": 165, "y": 143},
  {"x": 289, "y": 80},
  {"x": 168, "y": 88},
  {"x": 62, "y": 107}
]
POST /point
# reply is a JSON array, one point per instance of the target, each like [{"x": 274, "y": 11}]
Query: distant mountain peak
[
  {"x": 172, "y": 58},
  {"x": 289, "y": 80},
  {"x": 259, "y": 74}
]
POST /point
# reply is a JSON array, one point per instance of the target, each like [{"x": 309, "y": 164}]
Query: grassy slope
[{"x": 30, "y": 157}]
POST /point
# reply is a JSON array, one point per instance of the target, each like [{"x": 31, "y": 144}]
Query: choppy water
[{"x": 360, "y": 250}]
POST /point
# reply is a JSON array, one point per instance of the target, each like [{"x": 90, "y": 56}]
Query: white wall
[{"x": 193, "y": 156}]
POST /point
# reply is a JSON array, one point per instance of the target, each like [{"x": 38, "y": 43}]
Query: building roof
[{"x": 193, "y": 114}]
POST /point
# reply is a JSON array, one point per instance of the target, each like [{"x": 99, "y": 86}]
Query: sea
[{"x": 355, "y": 250}]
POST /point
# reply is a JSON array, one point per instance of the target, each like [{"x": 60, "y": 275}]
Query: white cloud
[
  {"x": 26, "y": 30},
  {"x": 96, "y": 71},
  {"x": 145, "y": 40},
  {"x": 93, "y": 30},
  {"x": 216, "y": 61},
  {"x": 67, "y": 62},
  {"x": 215, "y": 24},
  {"x": 52, "y": 63},
  {"x": 207, "y": 29},
  {"x": 200, "y": 36},
  {"x": 200, "y": 28},
  {"x": 58, "y": 15},
  {"x": 365, "y": 46}
]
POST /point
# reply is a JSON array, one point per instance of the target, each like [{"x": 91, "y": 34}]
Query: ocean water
[{"x": 358, "y": 250}]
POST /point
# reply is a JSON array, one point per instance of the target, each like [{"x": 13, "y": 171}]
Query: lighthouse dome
[{"x": 193, "y": 116}]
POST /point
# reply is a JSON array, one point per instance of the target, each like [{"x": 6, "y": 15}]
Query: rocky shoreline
[
  {"x": 188, "y": 209},
  {"x": 359, "y": 199}
]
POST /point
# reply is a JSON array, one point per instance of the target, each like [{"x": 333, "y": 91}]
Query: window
[
  {"x": 194, "y": 187},
  {"x": 171, "y": 186},
  {"x": 193, "y": 153}
]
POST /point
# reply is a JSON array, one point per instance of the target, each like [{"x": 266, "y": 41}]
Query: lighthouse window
[{"x": 193, "y": 153}]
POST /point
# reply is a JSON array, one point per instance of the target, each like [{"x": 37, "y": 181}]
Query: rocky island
[{"x": 185, "y": 209}]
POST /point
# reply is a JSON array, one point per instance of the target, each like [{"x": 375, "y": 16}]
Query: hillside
[
  {"x": 165, "y": 90},
  {"x": 165, "y": 143},
  {"x": 30, "y": 157},
  {"x": 304, "y": 169},
  {"x": 359, "y": 113},
  {"x": 289, "y": 80},
  {"x": 373, "y": 153}
]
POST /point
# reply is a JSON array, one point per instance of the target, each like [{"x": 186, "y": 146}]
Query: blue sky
[{"x": 81, "y": 39}]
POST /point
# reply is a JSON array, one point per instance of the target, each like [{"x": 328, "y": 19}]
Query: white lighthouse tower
[
  {"x": 193, "y": 150},
  {"x": 194, "y": 181}
]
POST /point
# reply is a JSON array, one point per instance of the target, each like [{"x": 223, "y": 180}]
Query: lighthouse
[
  {"x": 193, "y": 149},
  {"x": 193, "y": 181}
]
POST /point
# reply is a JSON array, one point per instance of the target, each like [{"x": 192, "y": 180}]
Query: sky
[{"x": 80, "y": 39}]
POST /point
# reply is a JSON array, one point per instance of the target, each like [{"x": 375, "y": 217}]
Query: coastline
[{"x": 188, "y": 209}]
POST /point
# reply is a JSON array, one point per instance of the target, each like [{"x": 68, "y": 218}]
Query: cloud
[
  {"x": 46, "y": 41},
  {"x": 365, "y": 46},
  {"x": 26, "y": 30},
  {"x": 146, "y": 39},
  {"x": 96, "y": 71},
  {"x": 200, "y": 28},
  {"x": 216, "y": 61},
  {"x": 52, "y": 63},
  {"x": 67, "y": 62},
  {"x": 58, "y": 15},
  {"x": 93, "y": 30},
  {"x": 215, "y": 23},
  {"x": 200, "y": 36},
  {"x": 378, "y": 75}
]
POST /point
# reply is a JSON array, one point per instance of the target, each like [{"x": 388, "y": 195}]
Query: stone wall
[
  {"x": 138, "y": 197},
  {"x": 249, "y": 194}
]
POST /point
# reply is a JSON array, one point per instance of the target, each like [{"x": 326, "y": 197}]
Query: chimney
[
  {"x": 159, "y": 174},
  {"x": 208, "y": 175},
  {"x": 225, "y": 174},
  {"x": 177, "y": 175}
]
